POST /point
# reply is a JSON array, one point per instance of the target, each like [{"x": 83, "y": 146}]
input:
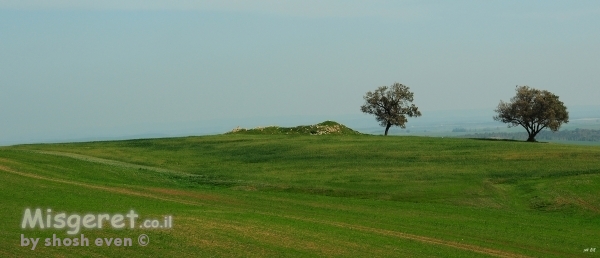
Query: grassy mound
[{"x": 327, "y": 127}]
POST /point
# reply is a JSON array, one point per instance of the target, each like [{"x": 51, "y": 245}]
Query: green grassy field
[{"x": 246, "y": 195}]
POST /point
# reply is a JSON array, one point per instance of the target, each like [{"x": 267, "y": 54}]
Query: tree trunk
[
  {"x": 531, "y": 138},
  {"x": 387, "y": 127}
]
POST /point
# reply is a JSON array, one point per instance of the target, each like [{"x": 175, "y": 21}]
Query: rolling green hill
[{"x": 254, "y": 195}]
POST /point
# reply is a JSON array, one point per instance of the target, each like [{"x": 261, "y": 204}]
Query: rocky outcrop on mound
[{"x": 324, "y": 128}]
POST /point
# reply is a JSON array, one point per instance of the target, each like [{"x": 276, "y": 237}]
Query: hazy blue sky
[{"x": 74, "y": 65}]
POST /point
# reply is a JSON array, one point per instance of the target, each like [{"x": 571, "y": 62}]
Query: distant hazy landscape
[{"x": 450, "y": 123}]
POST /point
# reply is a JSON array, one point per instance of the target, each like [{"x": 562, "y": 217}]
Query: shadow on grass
[{"x": 502, "y": 140}]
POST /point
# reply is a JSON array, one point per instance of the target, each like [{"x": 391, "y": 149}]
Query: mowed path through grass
[{"x": 256, "y": 195}]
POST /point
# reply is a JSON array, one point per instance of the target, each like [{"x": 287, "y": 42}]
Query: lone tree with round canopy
[
  {"x": 533, "y": 109},
  {"x": 390, "y": 105}
]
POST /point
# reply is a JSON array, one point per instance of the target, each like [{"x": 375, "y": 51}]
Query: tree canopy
[
  {"x": 390, "y": 105},
  {"x": 533, "y": 109}
]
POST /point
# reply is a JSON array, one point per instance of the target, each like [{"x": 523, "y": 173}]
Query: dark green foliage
[
  {"x": 391, "y": 105},
  {"x": 534, "y": 110}
]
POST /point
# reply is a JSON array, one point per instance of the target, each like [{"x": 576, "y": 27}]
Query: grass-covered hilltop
[
  {"x": 282, "y": 192},
  {"x": 324, "y": 128}
]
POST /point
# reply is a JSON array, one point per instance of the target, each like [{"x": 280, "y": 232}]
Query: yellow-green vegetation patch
[{"x": 324, "y": 128}]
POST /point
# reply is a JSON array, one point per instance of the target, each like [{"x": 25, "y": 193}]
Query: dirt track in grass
[{"x": 165, "y": 192}]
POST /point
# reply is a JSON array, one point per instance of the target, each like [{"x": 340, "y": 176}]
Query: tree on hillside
[
  {"x": 390, "y": 105},
  {"x": 533, "y": 109}
]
